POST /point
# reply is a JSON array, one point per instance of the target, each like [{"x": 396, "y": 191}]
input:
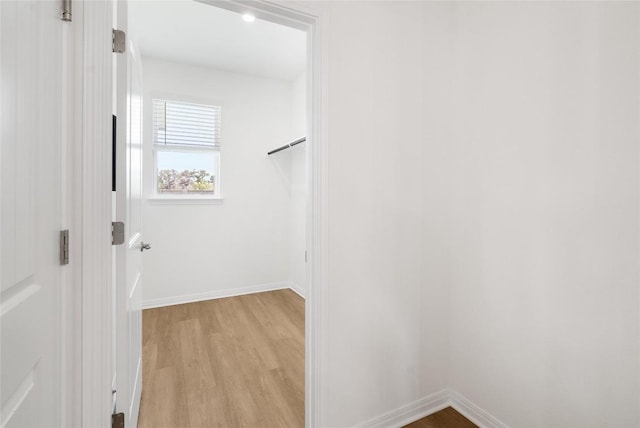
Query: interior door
[
  {"x": 128, "y": 210},
  {"x": 32, "y": 112}
]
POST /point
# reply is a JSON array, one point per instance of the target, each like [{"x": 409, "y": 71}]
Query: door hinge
[
  {"x": 117, "y": 233},
  {"x": 66, "y": 10},
  {"x": 64, "y": 247},
  {"x": 117, "y": 420},
  {"x": 119, "y": 41}
]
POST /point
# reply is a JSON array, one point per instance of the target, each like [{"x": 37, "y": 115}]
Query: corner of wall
[
  {"x": 473, "y": 412},
  {"x": 410, "y": 412},
  {"x": 431, "y": 404}
]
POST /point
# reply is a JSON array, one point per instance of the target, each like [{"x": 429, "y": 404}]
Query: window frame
[{"x": 157, "y": 197}]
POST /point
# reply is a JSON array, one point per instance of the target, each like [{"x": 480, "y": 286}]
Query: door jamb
[
  {"x": 91, "y": 222},
  {"x": 69, "y": 309}
]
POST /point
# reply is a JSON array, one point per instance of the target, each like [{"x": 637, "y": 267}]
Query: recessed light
[{"x": 247, "y": 17}]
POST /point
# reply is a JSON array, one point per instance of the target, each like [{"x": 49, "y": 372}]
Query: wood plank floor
[
  {"x": 234, "y": 362},
  {"x": 446, "y": 418}
]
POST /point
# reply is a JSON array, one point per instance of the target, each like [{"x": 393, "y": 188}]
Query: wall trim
[
  {"x": 216, "y": 294},
  {"x": 409, "y": 412},
  {"x": 295, "y": 287},
  {"x": 429, "y": 405},
  {"x": 473, "y": 412}
]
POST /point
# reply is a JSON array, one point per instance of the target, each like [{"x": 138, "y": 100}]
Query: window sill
[{"x": 185, "y": 200}]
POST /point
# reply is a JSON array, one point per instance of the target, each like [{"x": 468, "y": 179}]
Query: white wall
[
  {"x": 244, "y": 241},
  {"x": 483, "y": 209},
  {"x": 545, "y": 212},
  {"x": 387, "y": 305}
]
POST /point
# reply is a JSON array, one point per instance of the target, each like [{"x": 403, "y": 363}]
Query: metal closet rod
[{"x": 286, "y": 146}]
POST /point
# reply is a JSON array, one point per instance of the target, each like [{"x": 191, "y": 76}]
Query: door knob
[{"x": 144, "y": 246}]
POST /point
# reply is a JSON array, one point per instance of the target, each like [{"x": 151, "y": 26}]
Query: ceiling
[{"x": 194, "y": 33}]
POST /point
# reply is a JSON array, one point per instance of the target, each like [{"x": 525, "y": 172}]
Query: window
[{"x": 186, "y": 143}]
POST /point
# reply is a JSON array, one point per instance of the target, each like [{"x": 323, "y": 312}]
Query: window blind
[{"x": 185, "y": 124}]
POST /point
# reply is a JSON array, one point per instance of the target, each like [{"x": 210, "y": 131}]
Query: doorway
[{"x": 221, "y": 216}]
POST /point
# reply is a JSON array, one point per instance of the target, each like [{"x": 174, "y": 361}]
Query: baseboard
[
  {"x": 218, "y": 294},
  {"x": 410, "y": 412},
  {"x": 473, "y": 412},
  {"x": 433, "y": 403},
  {"x": 296, "y": 289}
]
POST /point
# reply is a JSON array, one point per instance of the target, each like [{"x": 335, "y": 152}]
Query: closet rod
[{"x": 286, "y": 146}]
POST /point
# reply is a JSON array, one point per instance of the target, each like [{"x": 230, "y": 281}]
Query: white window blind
[{"x": 185, "y": 124}]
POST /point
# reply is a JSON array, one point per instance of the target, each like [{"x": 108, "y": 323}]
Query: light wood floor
[
  {"x": 234, "y": 362},
  {"x": 447, "y": 418}
]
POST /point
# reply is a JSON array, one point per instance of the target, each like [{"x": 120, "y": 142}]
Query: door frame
[{"x": 92, "y": 201}]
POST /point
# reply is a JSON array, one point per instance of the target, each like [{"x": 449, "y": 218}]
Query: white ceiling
[{"x": 195, "y": 33}]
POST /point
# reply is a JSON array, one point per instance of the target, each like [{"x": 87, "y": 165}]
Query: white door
[
  {"x": 32, "y": 112},
  {"x": 129, "y": 210}
]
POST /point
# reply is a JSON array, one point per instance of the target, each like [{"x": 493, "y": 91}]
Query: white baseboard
[
  {"x": 410, "y": 412},
  {"x": 297, "y": 289},
  {"x": 218, "y": 294},
  {"x": 473, "y": 412},
  {"x": 428, "y": 405}
]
